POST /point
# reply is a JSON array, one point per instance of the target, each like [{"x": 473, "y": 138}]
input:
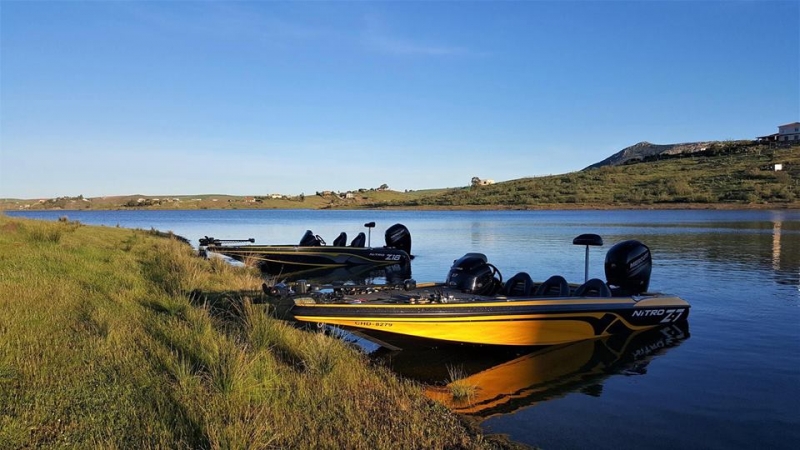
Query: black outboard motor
[
  {"x": 628, "y": 266},
  {"x": 398, "y": 236},
  {"x": 474, "y": 275}
]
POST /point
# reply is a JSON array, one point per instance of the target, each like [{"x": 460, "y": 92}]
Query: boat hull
[
  {"x": 276, "y": 259},
  {"x": 528, "y": 322}
]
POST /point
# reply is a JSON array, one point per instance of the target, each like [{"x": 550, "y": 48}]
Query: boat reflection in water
[{"x": 509, "y": 382}]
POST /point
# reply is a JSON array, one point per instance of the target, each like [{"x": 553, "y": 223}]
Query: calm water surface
[{"x": 732, "y": 380}]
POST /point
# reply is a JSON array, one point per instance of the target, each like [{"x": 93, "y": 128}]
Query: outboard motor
[
  {"x": 398, "y": 236},
  {"x": 474, "y": 275},
  {"x": 628, "y": 266}
]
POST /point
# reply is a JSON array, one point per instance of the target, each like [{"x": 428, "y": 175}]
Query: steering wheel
[{"x": 319, "y": 238}]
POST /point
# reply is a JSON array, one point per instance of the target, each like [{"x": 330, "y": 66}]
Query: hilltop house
[
  {"x": 788, "y": 132},
  {"x": 478, "y": 182}
]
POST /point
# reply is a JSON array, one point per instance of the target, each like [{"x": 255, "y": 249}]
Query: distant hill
[
  {"x": 723, "y": 174},
  {"x": 713, "y": 174},
  {"x": 644, "y": 150}
]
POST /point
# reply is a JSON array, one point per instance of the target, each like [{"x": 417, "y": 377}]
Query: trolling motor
[
  {"x": 212, "y": 241},
  {"x": 206, "y": 241}
]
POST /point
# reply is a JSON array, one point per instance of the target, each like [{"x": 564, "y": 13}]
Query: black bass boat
[
  {"x": 312, "y": 252},
  {"x": 475, "y": 306}
]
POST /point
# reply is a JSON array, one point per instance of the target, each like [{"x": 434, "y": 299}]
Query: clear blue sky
[{"x": 251, "y": 98}]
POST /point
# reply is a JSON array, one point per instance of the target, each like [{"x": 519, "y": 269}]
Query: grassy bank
[
  {"x": 118, "y": 338},
  {"x": 735, "y": 175}
]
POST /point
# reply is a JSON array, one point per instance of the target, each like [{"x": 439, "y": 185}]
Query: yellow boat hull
[{"x": 518, "y": 322}]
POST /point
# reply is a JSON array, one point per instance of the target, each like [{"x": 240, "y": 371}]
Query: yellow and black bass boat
[
  {"x": 474, "y": 306},
  {"x": 313, "y": 252}
]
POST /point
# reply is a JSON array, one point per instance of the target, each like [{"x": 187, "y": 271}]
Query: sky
[{"x": 101, "y": 98}]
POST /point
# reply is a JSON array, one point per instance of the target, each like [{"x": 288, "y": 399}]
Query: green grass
[
  {"x": 729, "y": 174},
  {"x": 117, "y": 338}
]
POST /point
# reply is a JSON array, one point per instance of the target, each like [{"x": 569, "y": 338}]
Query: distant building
[
  {"x": 778, "y": 167},
  {"x": 478, "y": 182},
  {"x": 788, "y": 132}
]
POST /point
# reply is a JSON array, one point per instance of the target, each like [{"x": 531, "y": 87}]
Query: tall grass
[
  {"x": 116, "y": 338},
  {"x": 460, "y": 389}
]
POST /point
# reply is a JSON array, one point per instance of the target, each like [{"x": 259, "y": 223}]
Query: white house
[
  {"x": 478, "y": 182},
  {"x": 789, "y": 132},
  {"x": 786, "y": 133}
]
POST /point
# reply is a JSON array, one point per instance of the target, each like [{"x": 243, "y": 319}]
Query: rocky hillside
[{"x": 645, "y": 149}]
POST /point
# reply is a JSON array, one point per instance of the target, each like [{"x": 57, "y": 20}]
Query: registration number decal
[{"x": 373, "y": 324}]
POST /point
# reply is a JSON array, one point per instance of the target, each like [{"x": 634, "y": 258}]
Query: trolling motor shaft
[{"x": 213, "y": 241}]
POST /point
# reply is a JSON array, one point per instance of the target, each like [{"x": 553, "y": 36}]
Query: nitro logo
[{"x": 649, "y": 313}]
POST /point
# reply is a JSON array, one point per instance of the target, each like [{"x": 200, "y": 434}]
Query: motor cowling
[
  {"x": 628, "y": 266},
  {"x": 398, "y": 236},
  {"x": 472, "y": 274}
]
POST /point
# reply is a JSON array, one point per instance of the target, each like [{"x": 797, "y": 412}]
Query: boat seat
[
  {"x": 520, "y": 285},
  {"x": 359, "y": 241},
  {"x": 555, "y": 286},
  {"x": 340, "y": 241},
  {"x": 593, "y": 288},
  {"x": 310, "y": 240}
]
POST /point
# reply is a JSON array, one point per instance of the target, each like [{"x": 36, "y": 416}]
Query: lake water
[{"x": 731, "y": 380}]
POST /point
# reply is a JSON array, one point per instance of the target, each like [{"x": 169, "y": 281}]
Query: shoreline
[{"x": 547, "y": 207}]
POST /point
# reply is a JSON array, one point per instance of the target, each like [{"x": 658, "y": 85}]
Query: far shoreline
[{"x": 549, "y": 207}]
